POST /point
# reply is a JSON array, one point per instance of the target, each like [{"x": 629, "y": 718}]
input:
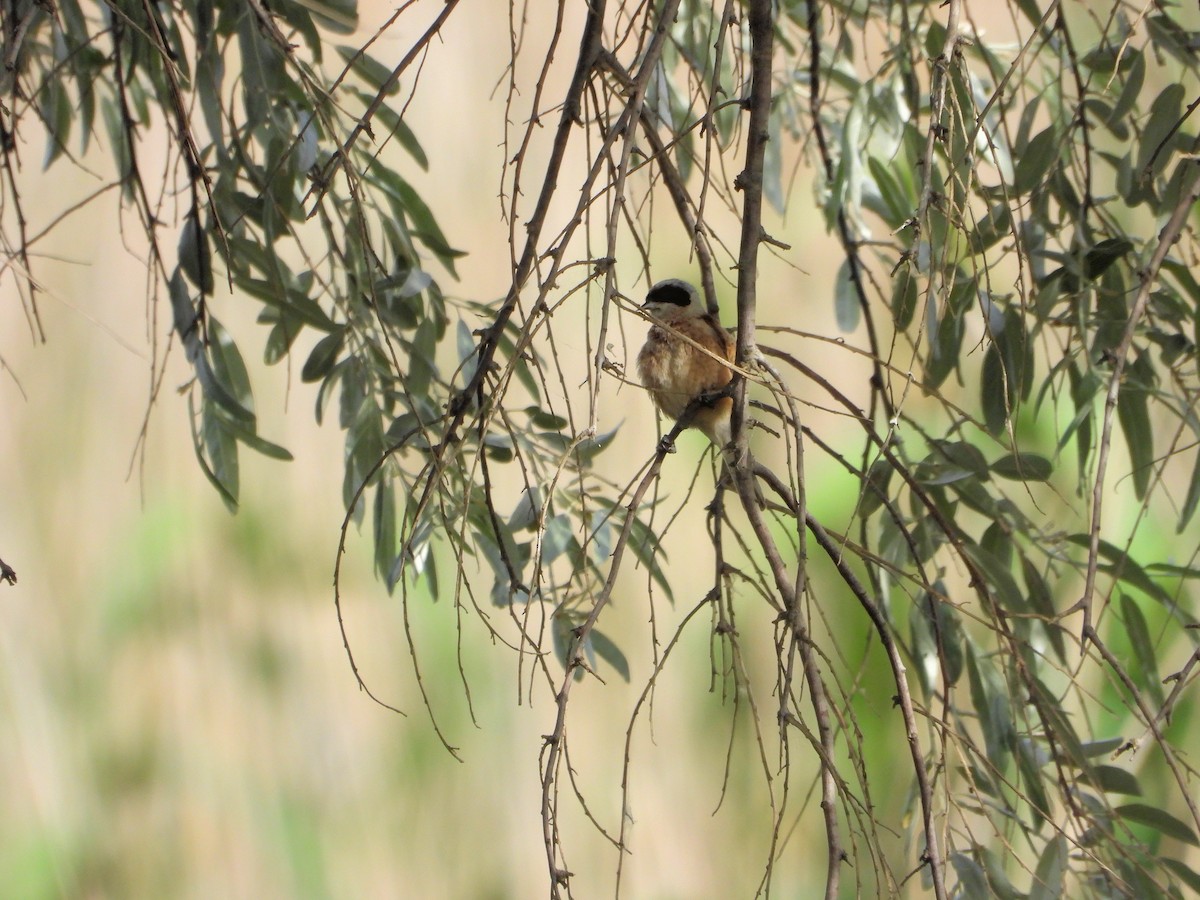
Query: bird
[{"x": 674, "y": 371}]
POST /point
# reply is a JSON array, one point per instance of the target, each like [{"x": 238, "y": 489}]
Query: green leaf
[
  {"x": 1101, "y": 747},
  {"x": 374, "y": 73},
  {"x": 1035, "y": 160},
  {"x": 600, "y": 536},
  {"x": 1133, "y": 412},
  {"x": 562, "y": 633},
  {"x": 845, "y": 300},
  {"x": 1169, "y": 569},
  {"x": 422, "y": 363},
  {"x": 1031, "y": 10},
  {"x": 904, "y": 298},
  {"x": 56, "y": 114},
  {"x": 394, "y": 124},
  {"x": 262, "y": 71},
  {"x": 1070, "y": 748},
  {"x": 994, "y": 392},
  {"x": 939, "y": 473},
  {"x": 221, "y": 453},
  {"x": 874, "y": 487},
  {"x": 1085, "y": 386},
  {"x": 1167, "y": 34},
  {"x": 943, "y": 631},
  {"x": 558, "y": 535},
  {"x": 944, "y": 348},
  {"x": 645, "y": 546},
  {"x": 589, "y": 448},
  {"x": 772, "y": 169},
  {"x": 1049, "y": 292},
  {"x": 897, "y": 206},
  {"x": 230, "y": 370},
  {"x": 972, "y": 881},
  {"x": 992, "y": 228},
  {"x": 217, "y": 392},
  {"x": 610, "y": 653},
  {"x": 1042, "y": 602},
  {"x": 547, "y": 420},
  {"x": 1185, "y": 873},
  {"x": 183, "y": 312},
  {"x": 1193, "y": 496},
  {"x": 528, "y": 510},
  {"x": 247, "y": 436},
  {"x": 989, "y": 697},
  {"x": 1143, "y": 648},
  {"x": 1115, "y": 780},
  {"x": 1051, "y": 869},
  {"x": 1121, "y": 565},
  {"x": 308, "y": 145},
  {"x": 1031, "y": 780},
  {"x": 279, "y": 340},
  {"x": 195, "y": 258},
  {"x": 408, "y": 205},
  {"x": 962, "y": 454},
  {"x": 210, "y": 75},
  {"x": 1160, "y": 820},
  {"x": 1023, "y": 467},
  {"x": 997, "y": 540},
  {"x": 1155, "y": 151},
  {"x": 323, "y": 357},
  {"x": 385, "y": 531},
  {"x": 467, "y": 359},
  {"x": 498, "y": 447},
  {"x": 1007, "y": 374},
  {"x": 1097, "y": 260},
  {"x": 999, "y": 579},
  {"x": 1001, "y": 888},
  {"x": 338, "y": 16},
  {"x": 198, "y": 444}
]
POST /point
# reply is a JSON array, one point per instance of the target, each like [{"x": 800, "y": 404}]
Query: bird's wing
[
  {"x": 707, "y": 372},
  {"x": 723, "y": 342}
]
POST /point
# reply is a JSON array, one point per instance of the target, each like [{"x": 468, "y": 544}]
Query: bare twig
[
  {"x": 364, "y": 123},
  {"x": 555, "y": 742},
  {"x": 791, "y": 588},
  {"x": 845, "y": 235}
]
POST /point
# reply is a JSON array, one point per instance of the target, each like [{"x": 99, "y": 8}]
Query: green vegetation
[{"x": 935, "y": 632}]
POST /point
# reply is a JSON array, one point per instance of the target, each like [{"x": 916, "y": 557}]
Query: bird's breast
[{"x": 675, "y": 372}]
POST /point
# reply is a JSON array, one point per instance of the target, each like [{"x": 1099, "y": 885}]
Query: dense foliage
[{"x": 1019, "y": 310}]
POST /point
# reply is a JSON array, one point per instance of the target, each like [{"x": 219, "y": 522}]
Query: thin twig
[
  {"x": 791, "y": 588},
  {"x": 845, "y": 235},
  {"x": 1148, "y": 277},
  {"x": 555, "y": 741}
]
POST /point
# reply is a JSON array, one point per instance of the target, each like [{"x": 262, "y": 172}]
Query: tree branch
[{"x": 1148, "y": 276}]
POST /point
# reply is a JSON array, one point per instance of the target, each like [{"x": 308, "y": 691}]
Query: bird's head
[{"x": 673, "y": 299}]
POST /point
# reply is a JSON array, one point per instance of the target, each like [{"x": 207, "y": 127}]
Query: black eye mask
[{"x": 669, "y": 293}]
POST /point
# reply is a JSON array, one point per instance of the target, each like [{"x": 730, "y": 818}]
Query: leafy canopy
[{"x": 1010, "y": 202}]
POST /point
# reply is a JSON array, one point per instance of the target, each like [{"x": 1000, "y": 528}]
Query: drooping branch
[
  {"x": 464, "y": 400},
  {"x": 555, "y": 742},
  {"x": 791, "y": 586},
  {"x": 845, "y": 234},
  {"x": 1148, "y": 279}
]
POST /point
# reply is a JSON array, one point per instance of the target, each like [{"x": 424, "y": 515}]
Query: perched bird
[{"x": 674, "y": 371}]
